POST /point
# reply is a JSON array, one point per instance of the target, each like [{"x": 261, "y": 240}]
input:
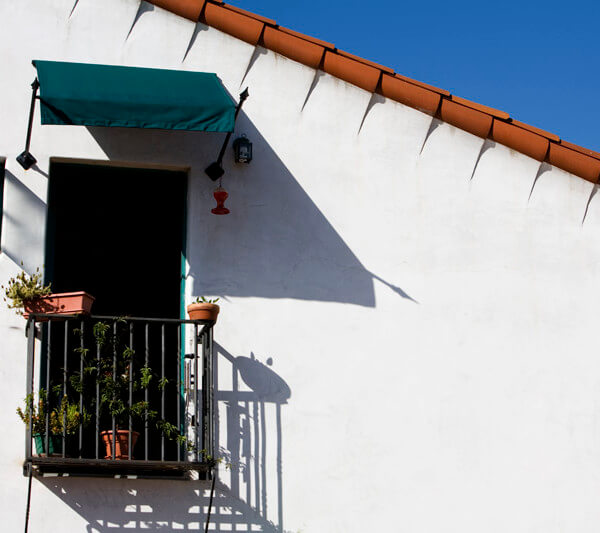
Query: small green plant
[
  {"x": 24, "y": 288},
  {"x": 204, "y": 300},
  {"x": 116, "y": 375},
  {"x": 66, "y": 416}
]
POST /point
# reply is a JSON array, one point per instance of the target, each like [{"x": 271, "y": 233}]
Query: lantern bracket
[{"x": 215, "y": 170}]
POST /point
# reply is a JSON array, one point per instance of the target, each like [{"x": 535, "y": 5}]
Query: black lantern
[{"x": 243, "y": 150}]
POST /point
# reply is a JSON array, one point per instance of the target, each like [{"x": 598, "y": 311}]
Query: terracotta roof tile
[
  {"x": 352, "y": 71},
  {"x": 365, "y": 61},
  {"x": 465, "y": 118},
  {"x": 251, "y": 15},
  {"x": 574, "y": 162},
  {"x": 524, "y": 141},
  {"x": 580, "y": 149},
  {"x": 283, "y": 43},
  {"x": 241, "y": 26},
  {"x": 475, "y": 118},
  {"x": 189, "y": 9},
  {"x": 443, "y": 92},
  {"x": 308, "y": 38},
  {"x": 482, "y": 108},
  {"x": 409, "y": 94},
  {"x": 539, "y": 131}
]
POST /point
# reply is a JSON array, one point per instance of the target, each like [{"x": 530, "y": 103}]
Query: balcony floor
[{"x": 117, "y": 468}]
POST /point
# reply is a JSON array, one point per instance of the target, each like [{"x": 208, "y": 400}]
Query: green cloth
[{"x": 132, "y": 97}]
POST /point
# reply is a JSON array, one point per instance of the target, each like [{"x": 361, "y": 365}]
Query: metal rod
[
  {"x": 98, "y": 399},
  {"x": 34, "y": 89},
  {"x": 51, "y": 316},
  {"x": 28, "y": 506},
  {"x": 114, "y": 421},
  {"x": 146, "y": 396},
  {"x": 30, "y": 328},
  {"x": 129, "y": 450},
  {"x": 47, "y": 416},
  {"x": 243, "y": 97},
  {"x": 63, "y": 399},
  {"x": 210, "y": 501},
  {"x": 204, "y": 396},
  {"x": 178, "y": 370},
  {"x": 81, "y": 346},
  {"x": 162, "y": 392},
  {"x": 211, "y": 390},
  {"x": 196, "y": 413}
]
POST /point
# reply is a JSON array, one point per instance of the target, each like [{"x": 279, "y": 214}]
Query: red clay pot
[
  {"x": 203, "y": 311},
  {"x": 63, "y": 303},
  {"x": 121, "y": 445}
]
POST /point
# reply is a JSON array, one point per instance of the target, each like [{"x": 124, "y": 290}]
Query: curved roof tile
[{"x": 475, "y": 118}]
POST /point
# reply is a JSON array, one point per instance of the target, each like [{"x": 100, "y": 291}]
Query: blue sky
[{"x": 538, "y": 61}]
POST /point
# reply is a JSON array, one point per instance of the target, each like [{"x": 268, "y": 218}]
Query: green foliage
[
  {"x": 24, "y": 288},
  {"x": 112, "y": 365},
  {"x": 66, "y": 416},
  {"x": 146, "y": 376},
  {"x": 204, "y": 300},
  {"x": 115, "y": 372}
]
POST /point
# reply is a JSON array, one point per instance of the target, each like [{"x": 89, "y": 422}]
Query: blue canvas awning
[{"x": 132, "y": 97}]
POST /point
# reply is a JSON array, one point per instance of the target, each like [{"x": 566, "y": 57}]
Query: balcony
[{"x": 96, "y": 384}]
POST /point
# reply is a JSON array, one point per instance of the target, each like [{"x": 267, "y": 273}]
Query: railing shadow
[
  {"x": 244, "y": 497},
  {"x": 250, "y": 416}
]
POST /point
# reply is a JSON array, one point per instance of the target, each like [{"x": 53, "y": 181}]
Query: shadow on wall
[
  {"x": 141, "y": 505},
  {"x": 17, "y": 235},
  {"x": 136, "y": 505},
  {"x": 276, "y": 243},
  {"x": 253, "y": 417}
]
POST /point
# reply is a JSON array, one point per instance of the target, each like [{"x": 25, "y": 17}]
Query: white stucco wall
[{"x": 435, "y": 326}]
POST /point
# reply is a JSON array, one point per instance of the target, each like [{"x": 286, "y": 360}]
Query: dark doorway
[{"x": 117, "y": 233}]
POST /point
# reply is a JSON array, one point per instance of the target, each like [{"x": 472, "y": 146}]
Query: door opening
[{"x": 118, "y": 233}]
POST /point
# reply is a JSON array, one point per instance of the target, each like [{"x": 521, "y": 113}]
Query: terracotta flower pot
[
  {"x": 64, "y": 303},
  {"x": 203, "y": 311},
  {"x": 121, "y": 444}
]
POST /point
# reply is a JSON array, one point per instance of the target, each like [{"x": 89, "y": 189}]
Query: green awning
[{"x": 131, "y": 97}]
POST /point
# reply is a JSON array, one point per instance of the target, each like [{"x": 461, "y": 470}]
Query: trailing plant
[
  {"x": 112, "y": 365},
  {"x": 24, "y": 288},
  {"x": 116, "y": 373},
  {"x": 204, "y": 300},
  {"x": 66, "y": 416}
]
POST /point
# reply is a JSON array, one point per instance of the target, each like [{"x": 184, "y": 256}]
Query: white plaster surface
[{"x": 435, "y": 322}]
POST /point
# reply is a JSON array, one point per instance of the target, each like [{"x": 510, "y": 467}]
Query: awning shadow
[{"x": 276, "y": 243}]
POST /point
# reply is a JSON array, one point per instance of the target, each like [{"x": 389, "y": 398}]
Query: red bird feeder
[{"x": 220, "y": 195}]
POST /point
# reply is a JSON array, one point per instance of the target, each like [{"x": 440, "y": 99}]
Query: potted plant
[
  {"x": 122, "y": 383},
  {"x": 115, "y": 375},
  {"x": 203, "y": 309},
  {"x": 64, "y": 419},
  {"x": 27, "y": 294}
]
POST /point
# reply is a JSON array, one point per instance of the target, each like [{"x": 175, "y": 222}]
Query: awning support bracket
[
  {"x": 215, "y": 170},
  {"x": 25, "y": 159}
]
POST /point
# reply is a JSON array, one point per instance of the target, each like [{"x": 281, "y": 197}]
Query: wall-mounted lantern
[{"x": 243, "y": 150}]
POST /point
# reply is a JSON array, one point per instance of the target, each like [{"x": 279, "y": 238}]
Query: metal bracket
[
  {"x": 25, "y": 159},
  {"x": 215, "y": 170}
]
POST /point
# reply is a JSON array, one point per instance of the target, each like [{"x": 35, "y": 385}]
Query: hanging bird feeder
[{"x": 220, "y": 195}]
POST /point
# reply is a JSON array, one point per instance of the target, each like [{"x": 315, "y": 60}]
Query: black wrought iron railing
[{"x": 119, "y": 395}]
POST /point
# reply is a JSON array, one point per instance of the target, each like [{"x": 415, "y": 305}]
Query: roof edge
[{"x": 478, "y": 119}]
